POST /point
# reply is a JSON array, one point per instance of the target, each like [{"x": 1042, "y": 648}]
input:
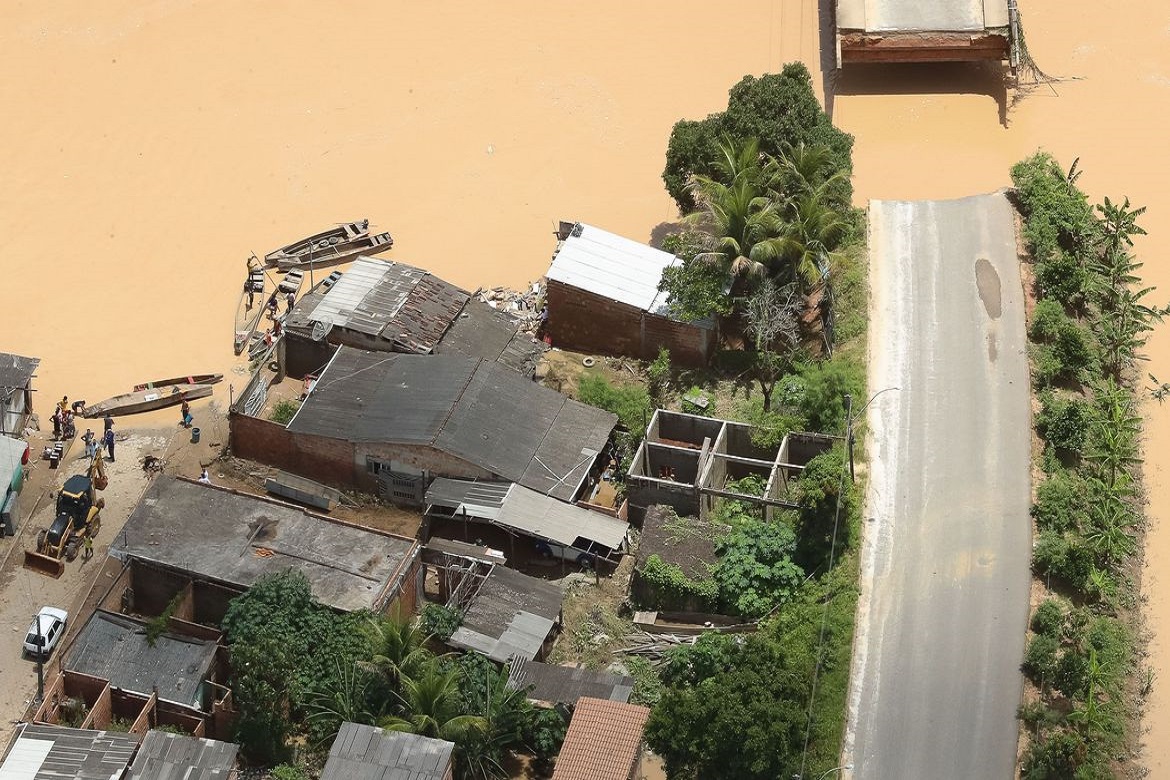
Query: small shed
[
  {"x": 602, "y": 296},
  {"x": 16, "y": 375},
  {"x": 510, "y": 615},
  {"x": 363, "y": 752},
  {"x": 557, "y": 528}
]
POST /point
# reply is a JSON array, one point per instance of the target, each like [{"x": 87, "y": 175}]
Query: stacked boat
[{"x": 338, "y": 244}]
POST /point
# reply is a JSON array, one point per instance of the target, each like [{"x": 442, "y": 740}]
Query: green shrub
[
  {"x": 1072, "y": 354},
  {"x": 284, "y": 411},
  {"x": 287, "y": 772},
  {"x": 631, "y": 403},
  {"x": 673, "y": 584},
  {"x": 1064, "y": 422},
  {"x": 1061, "y": 502},
  {"x": 1061, "y": 277},
  {"x": 439, "y": 621},
  {"x": 1063, "y": 558},
  {"x": 1042, "y": 659},
  {"x": 691, "y": 407},
  {"x": 826, "y": 384},
  {"x": 1048, "y": 619},
  {"x": 1057, "y": 756},
  {"x": 769, "y": 428},
  {"x": 1046, "y": 366},
  {"x": 1072, "y": 674},
  {"x": 755, "y": 572},
  {"x": 1047, "y": 320}
]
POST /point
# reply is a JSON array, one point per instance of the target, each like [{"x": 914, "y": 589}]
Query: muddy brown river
[{"x": 149, "y": 147}]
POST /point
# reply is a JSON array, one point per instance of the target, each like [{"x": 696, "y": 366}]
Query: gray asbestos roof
[
  {"x": 15, "y": 371},
  {"x": 227, "y": 536},
  {"x": 485, "y": 332},
  {"x": 527, "y": 511},
  {"x": 43, "y": 752},
  {"x": 363, "y": 752},
  {"x": 476, "y": 410},
  {"x": 566, "y": 684},
  {"x": 165, "y": 756},
  {"x": 115, "y": 648},
  {"x": 511, "y": 616}
]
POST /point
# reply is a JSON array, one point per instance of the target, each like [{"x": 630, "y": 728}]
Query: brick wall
[
  {"x": 584, "y": 322},
  {"x": 102, "y": 711},
  {"x": 211, "y": 602},
  {"x": 330, "y": 461},
  {"x": 154, "y": 588},
  {"x": 305, "y": 356}
]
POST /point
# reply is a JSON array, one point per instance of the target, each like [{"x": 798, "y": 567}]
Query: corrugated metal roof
[
  {"x": 482, "y": 331},
  {"x": 363, "y": 752},
  {"x": 478, "y": 411},
  {"x": 479, "y": 499},
  {"x": 72, "y": 754},
  {"x": 613, "y": 267},
  {"x": 426, "y": 314},
  {"x": 16, "y": 371},
  {"x": 115, "y": 648},
  {"x": 566, "y": 684},
  {"x": 345, "y": 304},
  {"x": 510, "y": 616},
  {"x": 166, "y": 756}
]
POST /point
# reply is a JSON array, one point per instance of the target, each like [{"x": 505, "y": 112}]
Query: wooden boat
[
  {"x": 292, "y": 281},
  {"x": 147, "y": 400},
  {"x": 251, "y": 306},
  {"x": 332, "y": 247},
  {"x": 319, "y": 242},
  {"x": 194, "y": 379}
]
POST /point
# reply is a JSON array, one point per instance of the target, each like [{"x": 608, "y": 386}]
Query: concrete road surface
[{"x": 936, "y": 677}]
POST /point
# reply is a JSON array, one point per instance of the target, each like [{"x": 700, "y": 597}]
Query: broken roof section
[
  {"x": 363, "y": 752},
  {"x": 235, "y": 539},
  {"x": 613, "y": 267},
  {"x": 604, "y": 741},
  {"x": 166, "y": 756},
  {"x": 566, "y": 684},
  {"x": 16, "y": 371},
  {"x": 511, "y": 615},
  {"x": 475, "y": 410},
  {"x": 410, "y": 310},
  {"x": 43, "y": 752},
  {"x": 520, "y": 509},
  {"x": 116, "y": 648}
]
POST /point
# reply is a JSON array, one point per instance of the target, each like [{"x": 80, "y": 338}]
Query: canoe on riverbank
[
  {"x": 330, "y": 247},
  {"x": 251, "y": 305},
  {"x": 194, "y": 379},
  {"x": 147, "y": 400}
]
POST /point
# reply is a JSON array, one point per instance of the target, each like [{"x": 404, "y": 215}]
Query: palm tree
[
  {"x": 328, "y": 708},
  {"x": 806, "y": 169},
  {"x": 430, "y": 707},
  {"x": 811, "y": 235},
  {"x": 401, "y": 649},
  {"x": 737, "y": 213}
]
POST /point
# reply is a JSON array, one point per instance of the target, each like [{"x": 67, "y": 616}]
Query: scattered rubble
[{"x": 526, "y": 306}]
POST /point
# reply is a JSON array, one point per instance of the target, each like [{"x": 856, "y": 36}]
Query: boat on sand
[
  {"x": 194, "y": 379},
  {"x": 330, "y": 247},
  {"x": 251, "y": 305},
  {"x": 147, "y": 400}
]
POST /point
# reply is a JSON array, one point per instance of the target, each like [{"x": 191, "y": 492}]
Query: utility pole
[{"x": 849, "y": 434}]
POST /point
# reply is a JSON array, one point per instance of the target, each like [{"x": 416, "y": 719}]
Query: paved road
[{"x": 947, "y": 536}]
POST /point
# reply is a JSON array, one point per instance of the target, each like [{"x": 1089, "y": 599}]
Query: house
[
  {"x": 892, "y": 31},
  {"x": 206, "y": 544},
  {"x": 689, "y": 462},
  {"x": 552, "y": 527},
  {"x": 16, "y": 375},
  {"x": 602, "y": 297},
  {"x": 505, "y": 614},
  {"x": 564, "y": 685},
  {"x": 391, "y": 422},
  {"x": 42, "y": 752},
  {"x": 384, "y": 306},
  {"x": 363, "y": 752},
  {"x": 117, "y": 648},
  {"x": 166, "y": 756},
  {"x": 603, "y": 742}
]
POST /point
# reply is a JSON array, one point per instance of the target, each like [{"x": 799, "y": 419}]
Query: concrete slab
[{"x": 915, "y": 15}]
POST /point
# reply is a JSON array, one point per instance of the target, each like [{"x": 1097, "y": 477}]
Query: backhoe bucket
[{"x": 43, "y": 564}]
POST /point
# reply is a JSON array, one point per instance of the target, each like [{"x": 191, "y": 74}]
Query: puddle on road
[{"x": 990, "y": 292}]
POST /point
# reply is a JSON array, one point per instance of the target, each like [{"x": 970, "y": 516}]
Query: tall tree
[
  {"x": 430, "y": 707},
  {"x": 773, "y": 320}
]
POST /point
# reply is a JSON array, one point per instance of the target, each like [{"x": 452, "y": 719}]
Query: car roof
[{"x": 54, "y": 612}]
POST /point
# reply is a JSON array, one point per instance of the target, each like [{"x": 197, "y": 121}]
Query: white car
[{"x": 52, "y": 628}]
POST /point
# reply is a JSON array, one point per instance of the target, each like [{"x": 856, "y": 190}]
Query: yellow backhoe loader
[{"x": 78, "y": 516}]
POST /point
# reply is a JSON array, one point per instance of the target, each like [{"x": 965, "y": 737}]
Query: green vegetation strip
[{"x": 1090, "y": 323}]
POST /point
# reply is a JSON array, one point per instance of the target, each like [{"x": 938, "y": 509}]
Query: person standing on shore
[
  {"x": 56, "y": 423},
  {"x": 290, "y": 299},
  {"x": 109, "y": 421},
  {"x": 185, "y": 413},
  {"x": 109, "y": 442},
  {"x": 90, "y": 443}
]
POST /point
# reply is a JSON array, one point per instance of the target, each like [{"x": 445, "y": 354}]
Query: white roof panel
[
  {"x": 613, "y": 267},
  {"x": 343, "y": 299},
  {"x": 537, "y": 514}
]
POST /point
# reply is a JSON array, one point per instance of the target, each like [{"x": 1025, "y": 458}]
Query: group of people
[
  {"x": 290, "y": 298},
  {"x": 64, "y": 426},
  {"x": 92, "y": 444}
]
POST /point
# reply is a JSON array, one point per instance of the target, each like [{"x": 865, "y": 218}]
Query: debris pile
[{"x": 526, "y": 306}]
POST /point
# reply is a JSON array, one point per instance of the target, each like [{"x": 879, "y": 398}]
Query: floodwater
[{"x": 149, "y": 147}]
